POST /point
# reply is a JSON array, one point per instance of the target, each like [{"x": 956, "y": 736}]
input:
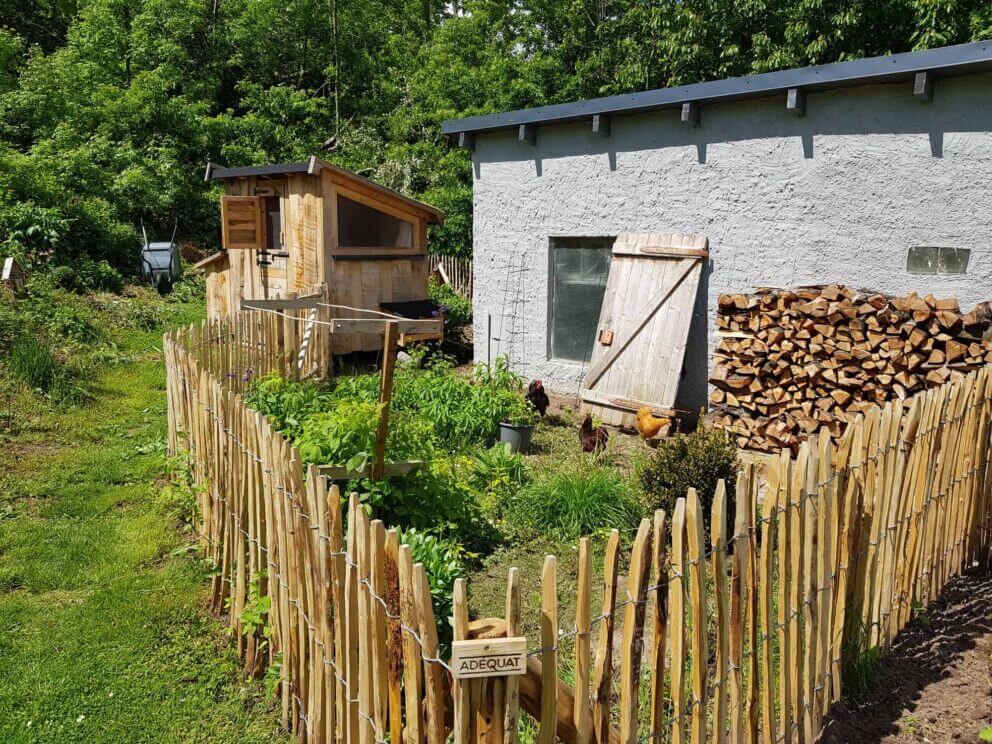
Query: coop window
[
  {"x": 361, "y": 226},
  {"x": 925, "y": 259},
  {"x": 579, "y": 267},
  {"x": 273, "y": 222}
]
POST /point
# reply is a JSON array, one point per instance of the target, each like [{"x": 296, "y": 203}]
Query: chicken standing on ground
[
  {"x": 592, "y": 439},
  {"x": 648, "y": 425},
  {"x": 537, "y": 397}
]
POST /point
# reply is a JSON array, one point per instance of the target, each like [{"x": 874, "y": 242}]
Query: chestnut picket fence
[{"x": 731, "y": 626}]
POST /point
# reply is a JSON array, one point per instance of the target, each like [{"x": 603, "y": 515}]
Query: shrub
[
  {"x": 458, "y": 309},
  {"x": 83, "y": 275},
  {"x": 191, "y": 287},
  {"x": 33, "y": 363},
  {"x": 697, "y": 460},
  {"x": 581, "y": 500}
]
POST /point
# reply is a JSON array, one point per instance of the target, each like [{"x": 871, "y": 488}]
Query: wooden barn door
[{"x": 643, "y": 326}]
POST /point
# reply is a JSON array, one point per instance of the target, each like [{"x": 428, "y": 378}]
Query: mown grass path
[{"x": 103, "y": 633}]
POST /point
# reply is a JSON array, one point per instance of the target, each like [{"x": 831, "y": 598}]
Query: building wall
[{"x": 836, "y": 196}]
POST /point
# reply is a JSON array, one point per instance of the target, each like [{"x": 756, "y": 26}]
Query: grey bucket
[{"x": 518, "y": 437}]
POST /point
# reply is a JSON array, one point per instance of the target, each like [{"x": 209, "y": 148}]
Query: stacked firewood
[{"x": 791, "y": 362}]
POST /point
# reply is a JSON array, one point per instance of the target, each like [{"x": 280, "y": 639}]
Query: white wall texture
[{"x": 836, "y": 196}]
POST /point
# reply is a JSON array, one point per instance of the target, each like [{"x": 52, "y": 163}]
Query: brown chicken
[
  {"x": 537, "y": 397},
  {"x": 592, "y": 438},
  {"x": 648, "y": 425}
]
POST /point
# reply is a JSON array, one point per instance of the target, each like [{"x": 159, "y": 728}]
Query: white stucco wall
[{"x": 836, "y": 196}]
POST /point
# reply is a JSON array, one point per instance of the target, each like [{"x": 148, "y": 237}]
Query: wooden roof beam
[
  {"x": 527, "y": 133},
  {"x": 923, "y": 86},
  {"x": 795, "y": 101},
  {"x": 601, "y": 125},
  {"x": 690, "y": 114}
]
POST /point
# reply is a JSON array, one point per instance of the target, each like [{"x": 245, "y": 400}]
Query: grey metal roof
[
  {"x": 220, "y": 172},
  {"x": 962, "y": 59}
]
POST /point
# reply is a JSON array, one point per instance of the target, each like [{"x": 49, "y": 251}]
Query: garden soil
[{"x": 934, "y": 686}]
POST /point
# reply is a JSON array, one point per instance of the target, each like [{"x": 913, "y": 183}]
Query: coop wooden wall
[
  {"x": 384, "y": 275},
  {"x": 302, "y": 234}
]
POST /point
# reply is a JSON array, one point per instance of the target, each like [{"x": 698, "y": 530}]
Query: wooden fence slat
[
  {"x": 633, "y": 627},
  {"x": 433, "y": 679},
  {"x": 583, "y": 630},
  {"x": 511, "y": 716},
  {"x": 394, "y": 635},
  {"x": 696, "y": 551},
  {"x": 603, "y": 688},
  {"x": 676, "y": 623},
  {"x": 548, "y": 725},
  {"x": 658, "y": 601},
  {"x": 413, "y": 730},
  {"x": 768, "y": 727},
  {"x": 460, "y": 691},
  {"x": 718, "y": 543}
]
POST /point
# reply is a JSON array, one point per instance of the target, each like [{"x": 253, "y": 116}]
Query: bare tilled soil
[{"x": 934, "y": 686}]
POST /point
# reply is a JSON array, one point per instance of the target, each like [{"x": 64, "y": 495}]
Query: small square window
[{"x": 925, "y": 259}]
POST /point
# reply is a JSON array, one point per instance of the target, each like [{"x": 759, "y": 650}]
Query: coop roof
[
  {"x": 315, "y": 165},
  {"x": 211, "y": 259},
  {"x": 922, "y": 68}
]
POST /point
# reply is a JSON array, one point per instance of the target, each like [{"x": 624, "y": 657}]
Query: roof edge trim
[{"x": 961, "y": 59}]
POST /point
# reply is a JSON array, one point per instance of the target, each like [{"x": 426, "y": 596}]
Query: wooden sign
[{"x": 492, "y": 657}]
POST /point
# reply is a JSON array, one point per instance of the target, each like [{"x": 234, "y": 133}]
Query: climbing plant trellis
[{"x": 736, "y": 633}]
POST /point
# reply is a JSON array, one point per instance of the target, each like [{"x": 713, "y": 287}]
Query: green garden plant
[
  {"x": 583, "y": 499},
  {"x": 697, "y": 460},
  {"x": 33, "y": 363}
]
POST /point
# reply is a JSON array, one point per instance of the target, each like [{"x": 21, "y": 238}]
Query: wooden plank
[
  {"x": 765, "y": 588},
  {"x": 696, "y": 550},
  {"x": 511, "y": 716},
  {"x": 676, "y": 623},
  {"x": 413, "y": 729},
  {"x": 583, "y": 632},
  {"x": 786, "y": 672},
  {"x": 721, "y": 592},
  {"x": 603, "y": 688},
  {"x": 626, "y": 404},
  {"x": 663, "y": 252},
  {"x": 738, "y": 599},
  {"x": 548, "y": 725},
  {"x": 385, "y": 397},
  {"x": 462, "y": 716},
  {"x": 351, "y": 604},
  {"x": 433, "y": 679},
  {"x": 658, "y": 600},
  {"x": 305, "y": 302},
  {"x": 377, "y": 326},
  {"x": 633, "y": 628},
  {"x": 810, "y": 599},
  {"x": 394, "y": 636}
]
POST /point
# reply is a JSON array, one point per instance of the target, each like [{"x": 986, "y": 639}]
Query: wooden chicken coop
[{"x": 291, "y": 226}]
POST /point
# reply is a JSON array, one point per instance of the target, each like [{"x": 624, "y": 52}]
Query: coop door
[{"x": 643, "y": 325}]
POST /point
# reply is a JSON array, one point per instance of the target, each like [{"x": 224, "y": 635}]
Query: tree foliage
[{"x": 109, "y": 109}]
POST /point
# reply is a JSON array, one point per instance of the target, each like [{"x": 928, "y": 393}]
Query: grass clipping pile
[{"x": 790, "y": 362}]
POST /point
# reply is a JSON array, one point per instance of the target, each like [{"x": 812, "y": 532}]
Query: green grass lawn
[{"x": 103, "y": 631}]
